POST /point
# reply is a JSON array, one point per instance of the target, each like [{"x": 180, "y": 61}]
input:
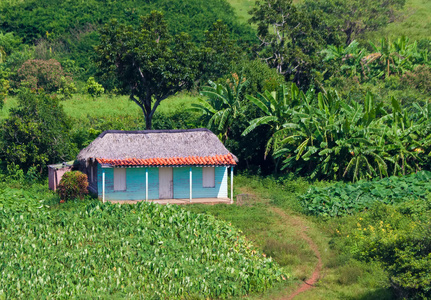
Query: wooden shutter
[
  {"x": 119, "y": 179},
  {"x": 208, "y": 177}
]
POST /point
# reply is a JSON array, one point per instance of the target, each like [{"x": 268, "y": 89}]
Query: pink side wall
[{"x": 54, "y": 175}]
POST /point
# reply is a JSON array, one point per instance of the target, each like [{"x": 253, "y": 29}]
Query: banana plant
[
  {"x": 277, "y": 108},
  {"x": 223, "y": 104},
  {"x": 348, "y": 57}
]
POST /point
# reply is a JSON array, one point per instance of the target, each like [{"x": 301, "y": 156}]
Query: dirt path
[{"x": 309, "y": 283}]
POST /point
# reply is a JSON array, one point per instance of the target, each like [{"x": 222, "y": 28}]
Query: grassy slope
[
  {"x": 414, "y": 22},
  {"x": 83, "y": 106},
  {"x": 241, "y": 8}
]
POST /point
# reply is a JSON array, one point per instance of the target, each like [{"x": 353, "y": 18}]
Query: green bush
[
  {"x": 259, "y": 76},
  {"x": 66, "y": 90},
  {"x": 4, "y": 90},
  {"x": 73, "y": 185},
  {"x": 343, "y": 199},
  {"x": 93, "y": 88},
  {"x": 399, "y": 238},
  {"x": 419, "y": 79}
]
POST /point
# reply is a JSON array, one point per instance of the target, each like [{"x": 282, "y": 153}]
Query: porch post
[
  {"x": 231, "y": 184},
  {"x": 103, "y": 185},
  {"x": 146, "y": 184},
  {"x": 191, "y": 185}
]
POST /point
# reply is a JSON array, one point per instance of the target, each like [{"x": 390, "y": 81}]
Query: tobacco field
[{"x": 145, "y": 250}]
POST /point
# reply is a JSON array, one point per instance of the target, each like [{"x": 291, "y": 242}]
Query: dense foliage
[
  {"x": 290, "y": 38},
  {"x": 42, "y": 74},
  {"x": 145, "y": 250},
  {"x": 355, "y": 17},
  {"x": 325, "y": 137},
  {"x": 385, "y": 59},
  {"x": 68, "y": 30},
  {"x": 32, "y": 20},
  {"x": 343, "y": 199},
  {"x": 398, "y": 237},
  {"x": 36, "y": 133}
]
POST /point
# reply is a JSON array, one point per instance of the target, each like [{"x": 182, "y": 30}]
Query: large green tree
[
  {"x": 36, "y": 133},
  {"x": 148, "y": 63},
  {"x": 290, "y": 38}
]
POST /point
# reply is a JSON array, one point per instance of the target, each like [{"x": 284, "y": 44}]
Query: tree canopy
[
  {"x": 290, "y": 38},
  {"x": 148, "y": 62}
]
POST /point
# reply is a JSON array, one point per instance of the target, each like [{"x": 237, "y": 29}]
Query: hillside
[
  {"x": 67, "y": 30},
  {"x": 414, "y": 20}
]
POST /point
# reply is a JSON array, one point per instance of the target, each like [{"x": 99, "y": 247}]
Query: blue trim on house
[{"x": 135, "y": 183}]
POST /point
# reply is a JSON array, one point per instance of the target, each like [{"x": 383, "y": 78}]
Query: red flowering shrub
[
  {"x": 73, "y": 185},
  {"x": 46, "y": 74}
]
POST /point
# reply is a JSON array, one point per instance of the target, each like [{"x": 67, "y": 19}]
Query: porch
[{"x": 210, "y": 201}]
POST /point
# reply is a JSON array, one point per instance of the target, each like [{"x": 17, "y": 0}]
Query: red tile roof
[{"x": 217, "y": 160}]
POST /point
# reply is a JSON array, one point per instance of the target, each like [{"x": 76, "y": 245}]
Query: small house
[{"x": 157, "y": 164}]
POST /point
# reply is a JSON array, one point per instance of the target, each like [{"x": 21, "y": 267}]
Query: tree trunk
[
  {"x": 349, "y": 33},
  {"x": 147, "y": 113},
  {"x": 148, "y": 120}
]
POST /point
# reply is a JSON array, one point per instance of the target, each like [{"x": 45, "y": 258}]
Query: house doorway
[{"x": 166, "y": 183}]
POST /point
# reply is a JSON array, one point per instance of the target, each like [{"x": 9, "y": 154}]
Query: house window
[
  {"x": 119, "y": 179},
  {"x": 208, "y": 177}
]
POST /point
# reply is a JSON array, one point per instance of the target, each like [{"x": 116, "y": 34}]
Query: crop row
[{"x": 127, "y": 251}]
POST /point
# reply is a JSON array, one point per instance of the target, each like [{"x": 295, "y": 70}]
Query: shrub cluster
[
  {"x": 36, "y": 133},
  {"x": 46, "y": 74},
  {"x": 93, "y": 88},
  {"x": 398, "y": 237},
  {"x": 73, "y": 185}
]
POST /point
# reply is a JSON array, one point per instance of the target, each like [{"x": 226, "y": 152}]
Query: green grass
[
  {"x": 10, "y": 102},
  {"x": 83, "y": 106},
  {"x": 277, "y": 234},
  {"x": 414, "y": 22},
  {"x": 242, "y": 7}
]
